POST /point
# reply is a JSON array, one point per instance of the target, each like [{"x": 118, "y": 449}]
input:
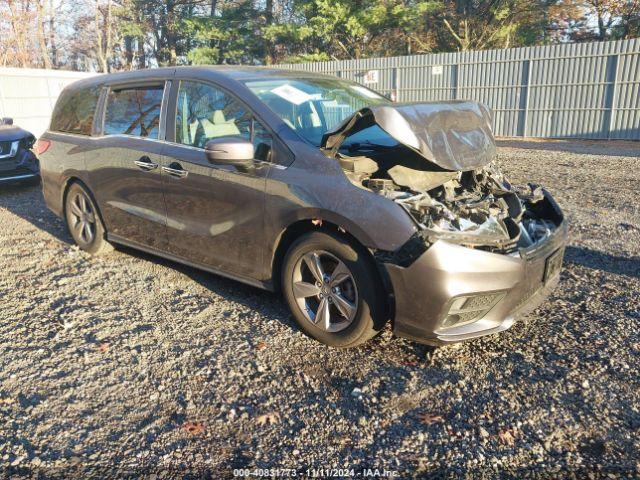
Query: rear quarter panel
[{"x": 65, "y": 159}]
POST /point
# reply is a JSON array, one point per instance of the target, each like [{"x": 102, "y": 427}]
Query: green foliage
[
  {"x": 267, "y": 31},
  {"x": 131, "y": 29},
  {"x": 288, "y": 32},
  {"x": 204, "y": 29},
  {"x": 203, "y": 56},
  {"x": 307, "y": 57}
]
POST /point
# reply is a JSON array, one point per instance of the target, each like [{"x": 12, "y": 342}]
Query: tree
[
  {"x": 41, "y": 22},
  {"x": 477, "y": 25},
  {"x": 323, "y": 29},
  {"x": 104, "y": 33},
  {"x": 598, "y": 20},
  {"x": 20, "y": 18},
  {"x": 112, "y": 35}
]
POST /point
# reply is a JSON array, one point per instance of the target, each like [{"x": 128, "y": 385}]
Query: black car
[{"x": 18, "y": 163}]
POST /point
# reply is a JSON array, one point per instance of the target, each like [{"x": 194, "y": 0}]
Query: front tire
[
  {"x": 333, "y": 290},
  {"x": 84, "y": 222}
]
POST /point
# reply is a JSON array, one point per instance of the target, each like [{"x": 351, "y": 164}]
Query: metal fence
[
  {"x": 585, "y": 90},
  {"x": 29, "y": 95}
]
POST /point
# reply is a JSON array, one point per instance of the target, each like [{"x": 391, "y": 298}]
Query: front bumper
[
  {"x": 426, "y": 290},
  {"x": 19, "y": 168},
  {"x": 17, "y": 176}
]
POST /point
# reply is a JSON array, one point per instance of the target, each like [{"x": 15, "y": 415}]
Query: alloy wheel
[
  {"x": 325, "y": 291},
  {"x": 82, "y": 218}
]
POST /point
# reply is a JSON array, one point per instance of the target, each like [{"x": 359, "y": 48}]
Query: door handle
[
  {"x": 175, "y": 170},
  {"x": 146, "y": 164}
]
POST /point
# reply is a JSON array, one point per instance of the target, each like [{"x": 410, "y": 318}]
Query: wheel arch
[
  {"x": 68, "y": 182},
  {"x": 66, "y": 185},
  {"x": 69, "y": 179},
  {"x": 301, "y": 227}
]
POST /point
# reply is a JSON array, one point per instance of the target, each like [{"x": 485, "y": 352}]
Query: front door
[
  {"x": 214, "y": 213},
  {"x": 124, "y": 167}
]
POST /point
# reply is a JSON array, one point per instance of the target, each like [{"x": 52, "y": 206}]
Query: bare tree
[
  {"x": 103, "y": 30},
  {"x": 40, "y": 26},
  {"x": 53, "y": 46},
  {"x": 19, "y": 19}
]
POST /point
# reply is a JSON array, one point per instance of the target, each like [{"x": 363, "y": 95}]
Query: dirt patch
[{"x": 129, "y": 364}]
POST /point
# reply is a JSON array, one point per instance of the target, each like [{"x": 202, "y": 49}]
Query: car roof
[
  {"x": 242, "y": 73},
  {"x": 227, "y": 72}
]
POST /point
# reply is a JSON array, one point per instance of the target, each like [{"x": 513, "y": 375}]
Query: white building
[{"x": 29, "y": 95}]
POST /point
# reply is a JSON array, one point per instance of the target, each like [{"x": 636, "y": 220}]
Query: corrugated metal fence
[
  {"x": 584, "y": 90},
  {"x": 29, "y": 95}
]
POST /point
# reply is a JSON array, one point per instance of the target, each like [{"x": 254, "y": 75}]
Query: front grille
[
  {"x": 8, "y": 150},
  {"x": 5, "y": 147}
]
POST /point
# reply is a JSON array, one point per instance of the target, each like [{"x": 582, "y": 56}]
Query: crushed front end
[
  {"x": 484, "y": 251},
  {"x": 482, "y": 273}
]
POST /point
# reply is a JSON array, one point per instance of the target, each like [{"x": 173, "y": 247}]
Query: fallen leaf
[
  {"x": 103, "y": 347},
  {"x": 506, "y": 437},
  {"x": 261, "y": 346},
  {"x": 193, "y": 428},
  {"x": 430, "y": 418},
  {"x": 268, "y": 419},
  {"x": 410, "y": 363}
]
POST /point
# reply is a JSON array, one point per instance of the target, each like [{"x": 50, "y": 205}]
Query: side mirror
[
  {"x": 6, "y": 121},
  {"x": 234, "y": 151}
]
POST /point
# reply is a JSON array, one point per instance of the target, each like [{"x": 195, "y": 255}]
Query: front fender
[{"x": 295, "y": 194}]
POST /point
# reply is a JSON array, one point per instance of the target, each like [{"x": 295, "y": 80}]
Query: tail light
[{"x": 42, "y": 146}]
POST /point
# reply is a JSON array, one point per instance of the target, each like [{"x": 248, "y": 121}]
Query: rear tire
[
  {"x": 84, "y": 221},
  {"x": 333, "y": 290}
]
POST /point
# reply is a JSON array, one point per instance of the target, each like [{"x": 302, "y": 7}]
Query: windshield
[{"x": 313, "y": 106}]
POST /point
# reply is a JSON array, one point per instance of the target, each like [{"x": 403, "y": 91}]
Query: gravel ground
[{"x": 130, "y": 365}]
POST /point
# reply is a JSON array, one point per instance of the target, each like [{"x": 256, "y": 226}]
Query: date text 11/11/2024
[{"x": 316, "y": 473}]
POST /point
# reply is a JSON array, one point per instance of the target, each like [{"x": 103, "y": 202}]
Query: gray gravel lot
[{"x": 128, "y": 364}]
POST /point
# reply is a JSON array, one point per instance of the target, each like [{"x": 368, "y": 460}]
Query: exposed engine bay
[
  {"x": 437, "y": 160},
  {"x": 476, "y": 208}
]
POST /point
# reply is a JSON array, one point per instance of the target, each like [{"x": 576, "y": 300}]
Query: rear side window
[
  {"x": 75, "y": 110},
  {"x": 134, "y": 111}
]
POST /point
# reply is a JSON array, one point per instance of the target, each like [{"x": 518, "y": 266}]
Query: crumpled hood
[
  {"x": 454, "y": 135},
  {"x": 11, "y": 132}
]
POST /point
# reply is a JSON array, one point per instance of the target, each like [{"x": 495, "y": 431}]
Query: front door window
[{"x": 205, "y": 112}]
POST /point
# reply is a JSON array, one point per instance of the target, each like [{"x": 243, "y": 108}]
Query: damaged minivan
[{"x": 359, "y": 210}]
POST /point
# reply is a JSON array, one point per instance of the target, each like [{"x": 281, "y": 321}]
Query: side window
[
  {"x": 205, "y": 112},
  {"x": 134, "y": 111},
  {"x": 74, "y": 111},
  {"x": 262, "y": 142}
]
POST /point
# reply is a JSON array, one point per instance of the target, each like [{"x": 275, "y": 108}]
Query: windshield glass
[{"x": 313, "y": 106}]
